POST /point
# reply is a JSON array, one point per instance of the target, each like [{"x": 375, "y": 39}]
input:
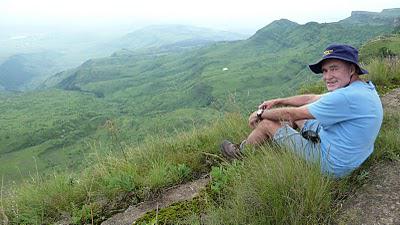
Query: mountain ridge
[
  {"x": 156, "y": 36},
  {"x": 378, "y": 18},
  {"x": 27, "y": 71},
  {"x": 36, "y": 66}
]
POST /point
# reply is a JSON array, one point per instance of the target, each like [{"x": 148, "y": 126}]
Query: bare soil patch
[
  {"x": 378, "y": 201},
  {"x": 391, "y": 101}
]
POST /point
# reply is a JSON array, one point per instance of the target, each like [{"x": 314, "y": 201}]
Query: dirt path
[{"x": 175, "y": 194}]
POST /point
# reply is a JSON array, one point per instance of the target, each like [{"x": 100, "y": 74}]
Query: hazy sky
[{"x": 221, "y": 14}]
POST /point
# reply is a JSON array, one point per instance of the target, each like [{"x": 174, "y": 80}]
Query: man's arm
[
  {"x": 288, "y": 114},
  {"x": 298, "y": 100}
]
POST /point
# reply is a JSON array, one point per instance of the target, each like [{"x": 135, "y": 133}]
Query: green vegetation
[
  {"x": 143, "y": 171},
  {"x": 48, "y": 131},
  {"x": 275, "y": 187},
  {"x": 27, "y": 61},
  {"x": 146, "y": 92},
  {"x": 382, "y": 56},
  {"x": 45, "y": 130},
  {"x": 382, "y": 47},
  {"x": 97, "y": 120},
  {"x": 295, "y": 191},
  {"x": 178, "y": 213}
]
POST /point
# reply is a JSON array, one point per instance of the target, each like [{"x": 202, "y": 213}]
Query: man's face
[{"x": 336, "y": 73}]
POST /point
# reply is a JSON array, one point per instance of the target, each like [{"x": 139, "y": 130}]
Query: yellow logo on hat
[{"x": 328, "y": 52}]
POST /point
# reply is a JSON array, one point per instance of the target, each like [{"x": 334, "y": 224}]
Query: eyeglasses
[{"x": 311, "y": 136}]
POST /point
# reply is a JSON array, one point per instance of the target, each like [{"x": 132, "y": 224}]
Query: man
[{"x": 337, "y": 129}]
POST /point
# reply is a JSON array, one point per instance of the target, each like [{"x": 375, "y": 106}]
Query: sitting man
[{"x": 337, "y": 129}]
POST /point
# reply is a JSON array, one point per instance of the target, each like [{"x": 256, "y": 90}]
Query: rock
[{"x": 172, "y": 195}]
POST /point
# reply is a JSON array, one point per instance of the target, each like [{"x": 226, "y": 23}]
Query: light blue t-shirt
[{"x": 350, "y": 120}]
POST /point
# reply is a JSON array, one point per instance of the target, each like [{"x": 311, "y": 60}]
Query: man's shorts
[{"x": 293, "y": 140}]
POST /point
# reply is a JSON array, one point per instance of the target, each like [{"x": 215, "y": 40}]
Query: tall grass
[
  {"x": 384, "y": 72},
  {"x": 274, "y": 186},
  {"x": 114, "y": 181},
  {"x": 387, "y": 145}
]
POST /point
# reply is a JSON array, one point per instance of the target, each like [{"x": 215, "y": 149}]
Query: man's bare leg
[{"x": 264, "y": 130}]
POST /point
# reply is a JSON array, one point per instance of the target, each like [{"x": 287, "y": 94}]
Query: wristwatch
[{"x": 259, "y": 113}]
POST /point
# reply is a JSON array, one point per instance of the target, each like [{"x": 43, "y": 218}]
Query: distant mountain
[
  {"x": 26, "y": 71},
  {"x": 387, "y": 16},
  {"x": 274, "y": 34},
  {"x": 177, "y": 35},
  {"x": 75, "y": 46}
]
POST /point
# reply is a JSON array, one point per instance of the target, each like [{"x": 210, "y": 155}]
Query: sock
[{"x": 241, "y": 147}]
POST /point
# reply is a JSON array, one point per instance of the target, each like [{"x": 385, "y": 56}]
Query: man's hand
[
  {"x": 269, "y": 104},
  {"x": 253, "y": 120}
]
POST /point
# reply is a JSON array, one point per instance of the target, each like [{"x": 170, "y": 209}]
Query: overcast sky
[{"x": 221, "y": 14}]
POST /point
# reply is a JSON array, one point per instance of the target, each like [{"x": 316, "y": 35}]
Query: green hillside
[
  {"x": 158, "y": 93},
  {"x": 258, "y": 67},
  {"x": 383, "y": 46},
  {"x": 46, "y": 130},
  {"x": 269, "y": 186},
  {"x": 28, "y": 60}
]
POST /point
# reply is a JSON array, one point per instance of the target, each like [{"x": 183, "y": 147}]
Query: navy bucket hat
[{"x": 342, "y": 52}]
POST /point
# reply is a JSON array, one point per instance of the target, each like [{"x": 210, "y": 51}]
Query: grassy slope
[
  {"x": 380, "y": 47},
  {"x": 295, "y": 192},
  {"x": 52, "y": 136},
  {"x": 149, "y": 93}
]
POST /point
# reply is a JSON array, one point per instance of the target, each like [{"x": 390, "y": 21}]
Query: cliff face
[
  {"x": 387, "y": 16},
  {"x": 384, "y": 13},
  {"x": 363, "y": 13},
  {"x": 391, "y": 12}
]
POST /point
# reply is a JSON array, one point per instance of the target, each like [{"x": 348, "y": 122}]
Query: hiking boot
[{"x": 231, "y": 151}]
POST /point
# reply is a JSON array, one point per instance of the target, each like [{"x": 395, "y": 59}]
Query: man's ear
[{"x": 353, "y": 69}]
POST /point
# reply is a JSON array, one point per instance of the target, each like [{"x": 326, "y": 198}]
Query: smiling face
[{"x": 336, "y": 73}]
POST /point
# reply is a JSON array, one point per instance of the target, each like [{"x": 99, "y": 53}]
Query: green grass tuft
[{"x": 274, "y": 186}]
